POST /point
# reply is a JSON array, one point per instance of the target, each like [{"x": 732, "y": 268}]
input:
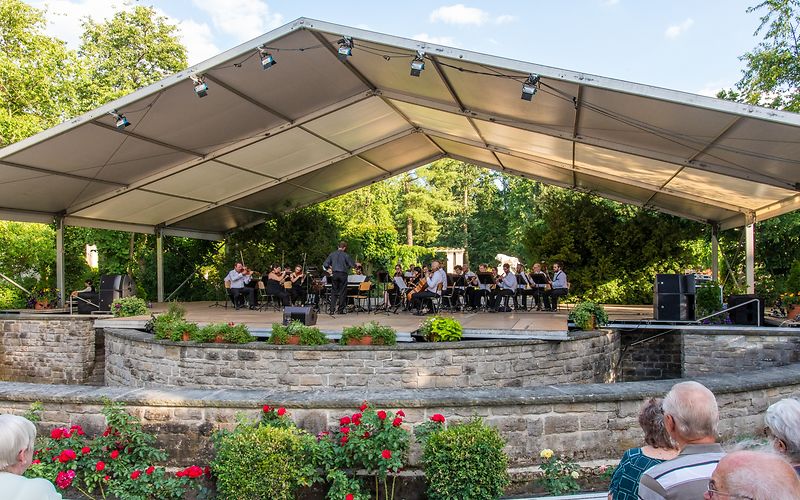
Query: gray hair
[
  {"x": 694, "y": 410},
  {"x": 783, "y": 420},
  {"x": 16, "y": 434},
  {"x": 760, "y": 476}
]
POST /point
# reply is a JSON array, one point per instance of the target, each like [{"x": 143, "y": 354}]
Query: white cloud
[
  {"x": 677, "y": 30},
  {"x": 64, "y": 17},
  {"x": 198, "y": 40},
  {"x": 609, "y": 3},
  {"x": 459, "y": 14},
  {"x": 241, "y": 19},
  {"x": 710, "y": 89},
  {"x": 504, "y": 19},
  {"x": 441, "y": 40}
]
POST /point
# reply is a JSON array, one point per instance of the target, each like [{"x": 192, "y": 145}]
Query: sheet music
[
  {"x": 399, "y": 282},
  {"x": 356, "y": 278}
]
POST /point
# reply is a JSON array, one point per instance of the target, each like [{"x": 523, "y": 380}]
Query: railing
[{"x": 725, "y": 311}]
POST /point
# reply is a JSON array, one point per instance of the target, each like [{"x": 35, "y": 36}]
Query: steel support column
[
  {"x": 715, "y": 252},
  {"x": 750, "y": 249},
  {"x": 160, "y": 264},
  {"x": 60, "y": 260}
]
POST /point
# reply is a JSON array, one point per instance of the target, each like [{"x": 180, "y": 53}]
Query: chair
[
  {"x": 265, "y": 299},
  {"x": 229, "y": 295},
  {"x": 364, "y": 293},
  {"x": 446, "y": 299}
]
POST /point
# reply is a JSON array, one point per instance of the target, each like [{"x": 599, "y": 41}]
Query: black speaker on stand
[
  {"x": 673, "y": 297},
  {"x": 304, "y": 314},
  {"x": 750, "y": 314}
]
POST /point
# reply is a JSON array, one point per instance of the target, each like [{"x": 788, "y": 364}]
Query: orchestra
[{"x": 489, "y": 289}]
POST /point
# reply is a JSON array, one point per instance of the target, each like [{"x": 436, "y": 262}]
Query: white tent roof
[{"x": 312, "y": 127}]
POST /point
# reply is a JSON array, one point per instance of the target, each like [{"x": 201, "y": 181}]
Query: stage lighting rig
[
  {"x": 200, "y": 86},
  {"x": 267, "y": 61},
  {"x": 418, "y": 64},
  {"x": 530, "y": 87},
  {"x": 345, "y": 48},
  {"x": 122, "y": 122}
]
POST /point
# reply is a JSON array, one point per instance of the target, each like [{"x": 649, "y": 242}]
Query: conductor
[{"x": 340, "y": 263}]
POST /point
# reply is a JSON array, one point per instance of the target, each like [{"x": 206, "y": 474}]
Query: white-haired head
[
  {"x": 755, "y": 475},
  {"x": 17, "y": 434},
  {"x": 783, "y": 421},
  {"x": 694, "y": 411}
]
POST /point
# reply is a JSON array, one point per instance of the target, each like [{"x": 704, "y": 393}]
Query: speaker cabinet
[
  {"x": 107, "y": 297},
  {"x": 304, "y": 314},
  {"x": 673, "y": 307},
  {"x": 748, "y": 314},
  {"x": 674, "y": 283}
]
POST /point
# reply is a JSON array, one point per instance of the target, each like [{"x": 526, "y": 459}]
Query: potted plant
[
  {"x": 588, "y": 315},
  {"x": 791, "y": 301},
  {"x": 42, "y": 298},
  {"x": 352, "y": 335},
  {"x": 279, "y": 335},
  {"x": 441, "y": 329},
  {"x": 380, "y": 335},
  {"x": 310, "y": 335},
  {"x": 222, "y": 332},
  {"x": 129, "y": 306}
]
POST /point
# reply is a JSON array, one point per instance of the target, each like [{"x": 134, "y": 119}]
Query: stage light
[
  {"x": 345, "y": 48},
  {"x": 418, "y": 64},
  {"x": 267, "y": 61},
  {"x": 200, "y": 87},
  {"x": 122, "y": 122},
  {"x": 529, "y": 88}
]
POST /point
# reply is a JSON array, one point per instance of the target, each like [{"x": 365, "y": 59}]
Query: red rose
[
  {"x": 266, "y": 408},
  {"x": 85, "y": 450},
  {"x": 381, "y": 414},
  {"x": 64, "y": 479},
  {"x": 363, "y": 406},
  {"x": 149, "y": 470},
  {"x": 281, "y": 411},
  {"x": 78, "y": 429},
  {"x": 438, "y": 417},
  {"x": 207, "y": 471},
  {"x": 114, "y": 454},
  {"x": 180, "y": 473},
  {"x": 106, "y": 478},
  {"x": 366, "y": 434},
  {"x": 401, "y": 413},
  {"x": 66, "y": 434},
  {"x": 194, "y": 471},
  {"x": 386, "y": 454},
  {"x": 66, "y": 456},
  {"x": 56, "y": 433},
  {"x": 36, "y": 461},
  {"x": 135, "y": 474},
  {"x": 356, "y": 419},
  {"x": 99, "y": 466},
  {"x": 344, "y": 420},
  {"x": 396, "y": 422},
  {"x": 349, "y": 496},
  {"x": 344, "y": 439},
  {"x": 107, "y": 431},
  {"x": 345, "y": 430}
]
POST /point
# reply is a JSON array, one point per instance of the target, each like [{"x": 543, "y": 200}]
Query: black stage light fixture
[
  {"x": 122, "y": 122},
  {"x": 418, "y": 64},
  {"x": 267, "y": 61},
  {"x": 200, "y": 86},
  {"x": 530, "y": 87},
  {"x": 345, "y": 48}
]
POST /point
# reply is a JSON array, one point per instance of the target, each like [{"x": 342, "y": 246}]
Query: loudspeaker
[
  {"x": 304, "y": 314},
  {"x": 688, "y": 285},
  {"x": 673, "y": 307},
  {"x": 107, "y": 297},
  {"x": 674, "y": 283},
  {"x": 110, "y": 282},
  {"x": 746, "y": 315}
]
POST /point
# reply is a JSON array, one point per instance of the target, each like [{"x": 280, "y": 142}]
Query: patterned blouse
[{"x": 625, "y": 481}]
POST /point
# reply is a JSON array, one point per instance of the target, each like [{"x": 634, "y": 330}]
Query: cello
[{"x": 420, "y": 286}]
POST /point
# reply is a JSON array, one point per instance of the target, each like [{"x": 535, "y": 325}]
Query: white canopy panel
[{"x": 312, "y": 127}]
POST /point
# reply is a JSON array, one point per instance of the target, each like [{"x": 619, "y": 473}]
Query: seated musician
[
  {"x": 560, "y": 286},
  {"x": 239, "y": 277},
  {"x": 273, "y": 282},
  {"x": 298, "y": 291},
  {"x": 432, "y": 289},
  {"x": 459, "y": 284},
  {"x": 524, "y": 287},
  {"x": 391, "y": 296},
  {"x": 476, "y": 290},
  {"x": 541, "y": 286},
  {"x": 506, "y": 286}
]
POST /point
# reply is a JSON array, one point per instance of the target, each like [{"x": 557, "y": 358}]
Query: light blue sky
[{"x": 685, "y": 45}]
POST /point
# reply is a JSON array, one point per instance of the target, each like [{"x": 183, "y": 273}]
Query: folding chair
[{"x": 363, "y": 293}]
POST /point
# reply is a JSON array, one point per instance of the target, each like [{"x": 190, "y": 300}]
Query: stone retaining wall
[
  {"x": 57, "y": 349},
  {"x": 135, "y": 359},
  {"x": 585, "y": 421},
  {"x": 649, "y": 355},
  {"x": 725, "y": 351}
]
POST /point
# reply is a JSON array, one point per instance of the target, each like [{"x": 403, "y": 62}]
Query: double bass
[{"x": 420, "y": 286}]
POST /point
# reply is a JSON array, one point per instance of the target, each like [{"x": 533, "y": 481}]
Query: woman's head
[
  {"x": 783, "y": 423},
  {"x": 17, "y": 438},
  {"x": 276, "y": 268},
  {"x": 651, "y": 420}
]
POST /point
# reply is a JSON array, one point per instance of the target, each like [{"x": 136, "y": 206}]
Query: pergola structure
[{"x": 340, "y": 109}]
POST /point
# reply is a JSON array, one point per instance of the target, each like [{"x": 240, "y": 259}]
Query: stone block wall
[
  {"x": 585, "y": 421},
  {"x": 649, "y": 355},
  {"x": 725, "y": 351},
  {"x": 47, "y": 348},
  {"x": 135, "y": 359}
]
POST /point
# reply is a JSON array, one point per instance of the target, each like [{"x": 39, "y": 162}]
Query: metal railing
[{"x": 725, "y": 311}]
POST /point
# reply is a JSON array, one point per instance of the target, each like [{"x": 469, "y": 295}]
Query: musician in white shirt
[
  {"x": 524, "y": 287},
  {"x": 238, "y": 278},
  {"x": 505, "y": 286},
  {"x": 436, "y": 281},
  {"x": 560, "y": 287}
]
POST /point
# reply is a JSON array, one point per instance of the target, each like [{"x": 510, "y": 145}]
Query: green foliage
[
  {"x": 588, "y": 315},
  {"x": 559, "y": 475},
  {"x": 342, "y": 485},
  {"x": 708, "y": 300},
  {"x": 129, "y": 306},
  {"x": 34, "y": 412},
  {"x": 354, "y": 332},
  {"x": 280, "y": 334},
  {"x": 231, "y": 333},
  {"x": 441, "y": 329},
  {"x": 28, "y": 257},
  {"x": 311, "y": 335},
  {"x": 263, "y": 461},
  {"x": 166, "y": 327},
  {"x": 465, "y": 461},
  {"x": 381, "y": 335}
]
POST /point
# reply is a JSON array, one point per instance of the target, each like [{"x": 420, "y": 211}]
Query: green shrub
[
  {"x": 381, "y": 335},
  {"x": 465, "y": 461},
  {"x": 441, "y": 329},
  {"x": 583, "y": 312},
  {"x": 171, "y": 328},
  {"x": 355, "y": 332},
  {"x": 559, "y": 474},
  {"x": 310, "y": 335},
  {"x": 230, "y": 332},
  {"x": 709, "y": 301},
  {"x": 263, "y": 462},
  {"x": 279, "y": 335},
  {"x": 129, "y": 306}
]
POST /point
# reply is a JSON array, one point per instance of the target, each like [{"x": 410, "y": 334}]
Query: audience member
[
  {"x": 658, "y": 448},
  {"x": 753, "y": 475},
  {"x": 690, "y": 418},
  {"x": 783, "y": 428},
  {"x": 17, "y": 438}
]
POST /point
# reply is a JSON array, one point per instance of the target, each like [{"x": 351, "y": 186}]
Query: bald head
[
  {"x": 757, "y": 475},
  {"x": 691, "y": 413}
]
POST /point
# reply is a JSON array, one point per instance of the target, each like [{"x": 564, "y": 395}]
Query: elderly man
[
  {"x": 690, "y": 418},
  {"x": 754, "y": 475},
  {"x": 17, "y": 439},
  {"x": 783, "y": 428}
]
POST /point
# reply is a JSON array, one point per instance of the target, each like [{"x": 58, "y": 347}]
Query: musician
[
  {"x": 560, "y": 286},
  {"x": 273, "y": 282},
  {"x": 476, "y": 289},
  {"x": 298, "y": 280},
  {"x": 437, "y": 277},
  {"x": 541, "y": 286},
  {"x": 506, "y": 285},
  {"x": 524, "y": 287},
  {"x": 239, "y": 277},
  {"x": 459, "y": 285},
  {"x": 339, "y": 263},
  {"x": 392, "y": 297}
]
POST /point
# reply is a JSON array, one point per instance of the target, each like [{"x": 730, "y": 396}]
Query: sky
[{"x": 693, "y": 46}]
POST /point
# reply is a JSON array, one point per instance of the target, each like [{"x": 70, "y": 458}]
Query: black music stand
[
  {"x": 216, "y": 294},
  {"x": 486, "y": 279}
]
